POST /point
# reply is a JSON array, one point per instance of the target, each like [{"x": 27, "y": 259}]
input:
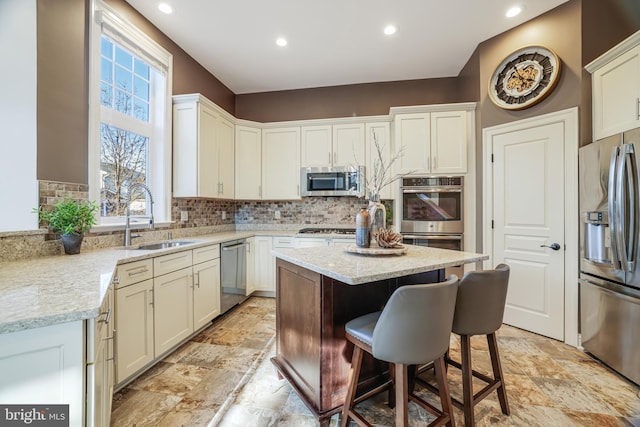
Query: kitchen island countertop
[{"x": 355, "y": 269}]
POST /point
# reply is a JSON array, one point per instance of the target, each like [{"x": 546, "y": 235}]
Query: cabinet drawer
[
  {"x": 284, "y": 242},
  {"x": 172, "y": 262},
  {"x": 133, "y": 272},
  {"x": 206, "y": 254}
]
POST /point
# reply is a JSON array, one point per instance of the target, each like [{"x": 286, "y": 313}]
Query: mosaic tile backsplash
[{"x": 204, "y": 216}]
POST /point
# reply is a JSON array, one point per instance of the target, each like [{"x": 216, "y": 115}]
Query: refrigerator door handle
[
  {"x": 613, "y": 207},
  {"x": 620, "y": 225},
  {"x": 631, "y": 238}
]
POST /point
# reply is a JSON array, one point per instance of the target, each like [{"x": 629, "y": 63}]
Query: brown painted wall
[
  {"x": 62, "y": 112},
  {"x": 345, "y": 101}
]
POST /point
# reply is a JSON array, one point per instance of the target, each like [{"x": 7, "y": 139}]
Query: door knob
[{"x": 553, "y": 246}]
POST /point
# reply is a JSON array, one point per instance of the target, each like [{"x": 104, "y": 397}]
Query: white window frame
[{"x": 105, "y": 19}]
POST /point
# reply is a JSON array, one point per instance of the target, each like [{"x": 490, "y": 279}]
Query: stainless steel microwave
[{"x": 332, "y": 181}]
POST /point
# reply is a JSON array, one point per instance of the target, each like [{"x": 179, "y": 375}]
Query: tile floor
[{"x": 223, "y": 377}]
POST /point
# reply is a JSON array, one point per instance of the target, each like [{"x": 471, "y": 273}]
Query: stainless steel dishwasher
[{"x": 233, "y": 274}]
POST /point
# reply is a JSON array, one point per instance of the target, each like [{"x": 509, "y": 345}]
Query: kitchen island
[{"x": 318, "y": 290}]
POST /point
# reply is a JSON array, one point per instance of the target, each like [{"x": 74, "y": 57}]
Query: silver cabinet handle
[
  {"x": 142, "y": 270},
  {"x": 107, "y": 317}
]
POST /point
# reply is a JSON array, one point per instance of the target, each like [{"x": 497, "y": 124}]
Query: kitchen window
[{"x": 130, "y": 119}]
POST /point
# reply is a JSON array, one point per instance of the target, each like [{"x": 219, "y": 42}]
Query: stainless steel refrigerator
[{"x": 609, "y": 263}]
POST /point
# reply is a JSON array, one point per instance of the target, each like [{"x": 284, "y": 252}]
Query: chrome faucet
[{"x": 127, "y": 227}]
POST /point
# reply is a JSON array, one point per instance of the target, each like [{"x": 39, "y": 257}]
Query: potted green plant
[{"x": 71, "y": 218}]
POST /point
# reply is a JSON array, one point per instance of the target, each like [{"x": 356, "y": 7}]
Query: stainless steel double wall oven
[{"x": 431, "y": 210}]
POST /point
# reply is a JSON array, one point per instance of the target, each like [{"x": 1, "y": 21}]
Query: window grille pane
[
  {"x": 124, "y": 58},
  {"x": 141, "y": 109},
  {"x": 141, "y": 88},
  {"x": 106, "y": 95},
  {"x": 123, "y": 102},
  {"x": 141, "y": 69},
  {"x": 124, "y": 79},
  {"x": 106, "y": 70},
  {"x": 106, "y": 47},
  {"x": 123, "y": 161}
]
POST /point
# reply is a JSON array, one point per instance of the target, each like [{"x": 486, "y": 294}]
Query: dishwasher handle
[{"x": 231, "y": 247}]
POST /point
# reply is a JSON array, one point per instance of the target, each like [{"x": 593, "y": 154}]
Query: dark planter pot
[{"x": 71, "y": 243}]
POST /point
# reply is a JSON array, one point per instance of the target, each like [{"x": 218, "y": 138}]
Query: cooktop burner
[{"x": 327, "y": 231}]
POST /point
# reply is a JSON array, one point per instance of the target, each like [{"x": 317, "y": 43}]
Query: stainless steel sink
[{"x": 164, "y": 245}]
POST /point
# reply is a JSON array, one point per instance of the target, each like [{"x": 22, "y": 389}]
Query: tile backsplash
[{"x": 203, "y": 216}]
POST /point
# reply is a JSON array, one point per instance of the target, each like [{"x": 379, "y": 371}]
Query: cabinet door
[
  {"x": 206, "y": 292},
  {"x": 281, "y": 164},
  {"x": 173, "y": 309},
  {"x": 194, "y": 147},
  {"x": 250, "y": 249},
  {"x": 264, "y": 264},
  {"x": 248, "y": 159},
  {"x": 348, "y": 144},
  {"x": 134, "y": 328},
  {"x": 315, "y": 146},
  {"x": 383, "y": 137},
  {"x": 44, "y": 365},
  {"x": 449, "y": 142},
  {"x": 225, "y": 158},
  {"x": 616, "y": 92},
  {"x": 412, "y": 135}
]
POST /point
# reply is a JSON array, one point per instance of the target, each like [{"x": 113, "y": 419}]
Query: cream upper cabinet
[
  {"x": 348, "y": 144},
  {"x": 434, "y": 142},
  {"x": 316, "y": 146},
  {"x": 226, "y": 158},
  {"x": 379, "y": 132},
  {"x": 248, "y": 182},
  {"x": 281, "y": 163},
  {"x": 332, "y": 145},
  {"x": 616, "y": 89},
  {"x": 203, "y": 149},
  {"x": 449, "y": 142}
]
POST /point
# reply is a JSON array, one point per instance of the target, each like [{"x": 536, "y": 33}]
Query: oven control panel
[{"x": 432, "y": 181}]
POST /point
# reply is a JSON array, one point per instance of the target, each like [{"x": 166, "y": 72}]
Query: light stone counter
[
  {"x": 355, "y": 269},
  {"x": 45, "y": 291}
]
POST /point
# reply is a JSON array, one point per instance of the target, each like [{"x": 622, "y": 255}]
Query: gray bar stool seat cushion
[{"x": 361, "y": 328}]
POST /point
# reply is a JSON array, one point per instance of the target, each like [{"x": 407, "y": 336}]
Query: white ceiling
[{"x": 332, "y": 42}]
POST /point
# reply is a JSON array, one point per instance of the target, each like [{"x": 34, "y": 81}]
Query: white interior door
[{"x": 529, "y": 216}]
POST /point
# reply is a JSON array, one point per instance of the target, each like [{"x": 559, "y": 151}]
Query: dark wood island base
[{"x": 311, "y": 351}]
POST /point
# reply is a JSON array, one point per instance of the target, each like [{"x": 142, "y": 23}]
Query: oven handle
[
  {"x": 433, "y": 190},
  {"x": 437, "y": 237}
]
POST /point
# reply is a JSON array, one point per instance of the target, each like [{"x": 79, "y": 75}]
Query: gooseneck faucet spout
[{"x": 127, "y": 228}]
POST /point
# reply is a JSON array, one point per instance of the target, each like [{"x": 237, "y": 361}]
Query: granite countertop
[
  {"x": 355, "y": 269},
  {"x": 45, "y": 291}
]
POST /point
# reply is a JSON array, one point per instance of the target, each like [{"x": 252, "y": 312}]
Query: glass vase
[{"x": 378, "y": 213}]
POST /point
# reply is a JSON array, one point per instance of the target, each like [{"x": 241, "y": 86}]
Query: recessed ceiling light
[
  {"x": 514, "y": 11},
  {"x": 281, "y": 42},
  {"x": 165, "y": 8},
  {"x": 389, "y": 29}
]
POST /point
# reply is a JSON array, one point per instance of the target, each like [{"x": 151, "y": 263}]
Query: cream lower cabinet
[
  {"x": 250, "y": 249},
  {"x": 44, "y": 366},
  {"x": 161, "y": 302},
  {"x": 172, "y": 309},
  {"x": 264, "y": 264},
  {"x": 206, "y": 292},
  {"x": 134, "y": 348}
]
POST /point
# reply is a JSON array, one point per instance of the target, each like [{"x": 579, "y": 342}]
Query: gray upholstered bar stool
[
  {"x": 479, "y": 311},
  {"x": 413, "y": 328}
]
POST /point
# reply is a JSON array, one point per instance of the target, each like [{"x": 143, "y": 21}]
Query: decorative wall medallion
[{"x": 524, "y": 78}]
